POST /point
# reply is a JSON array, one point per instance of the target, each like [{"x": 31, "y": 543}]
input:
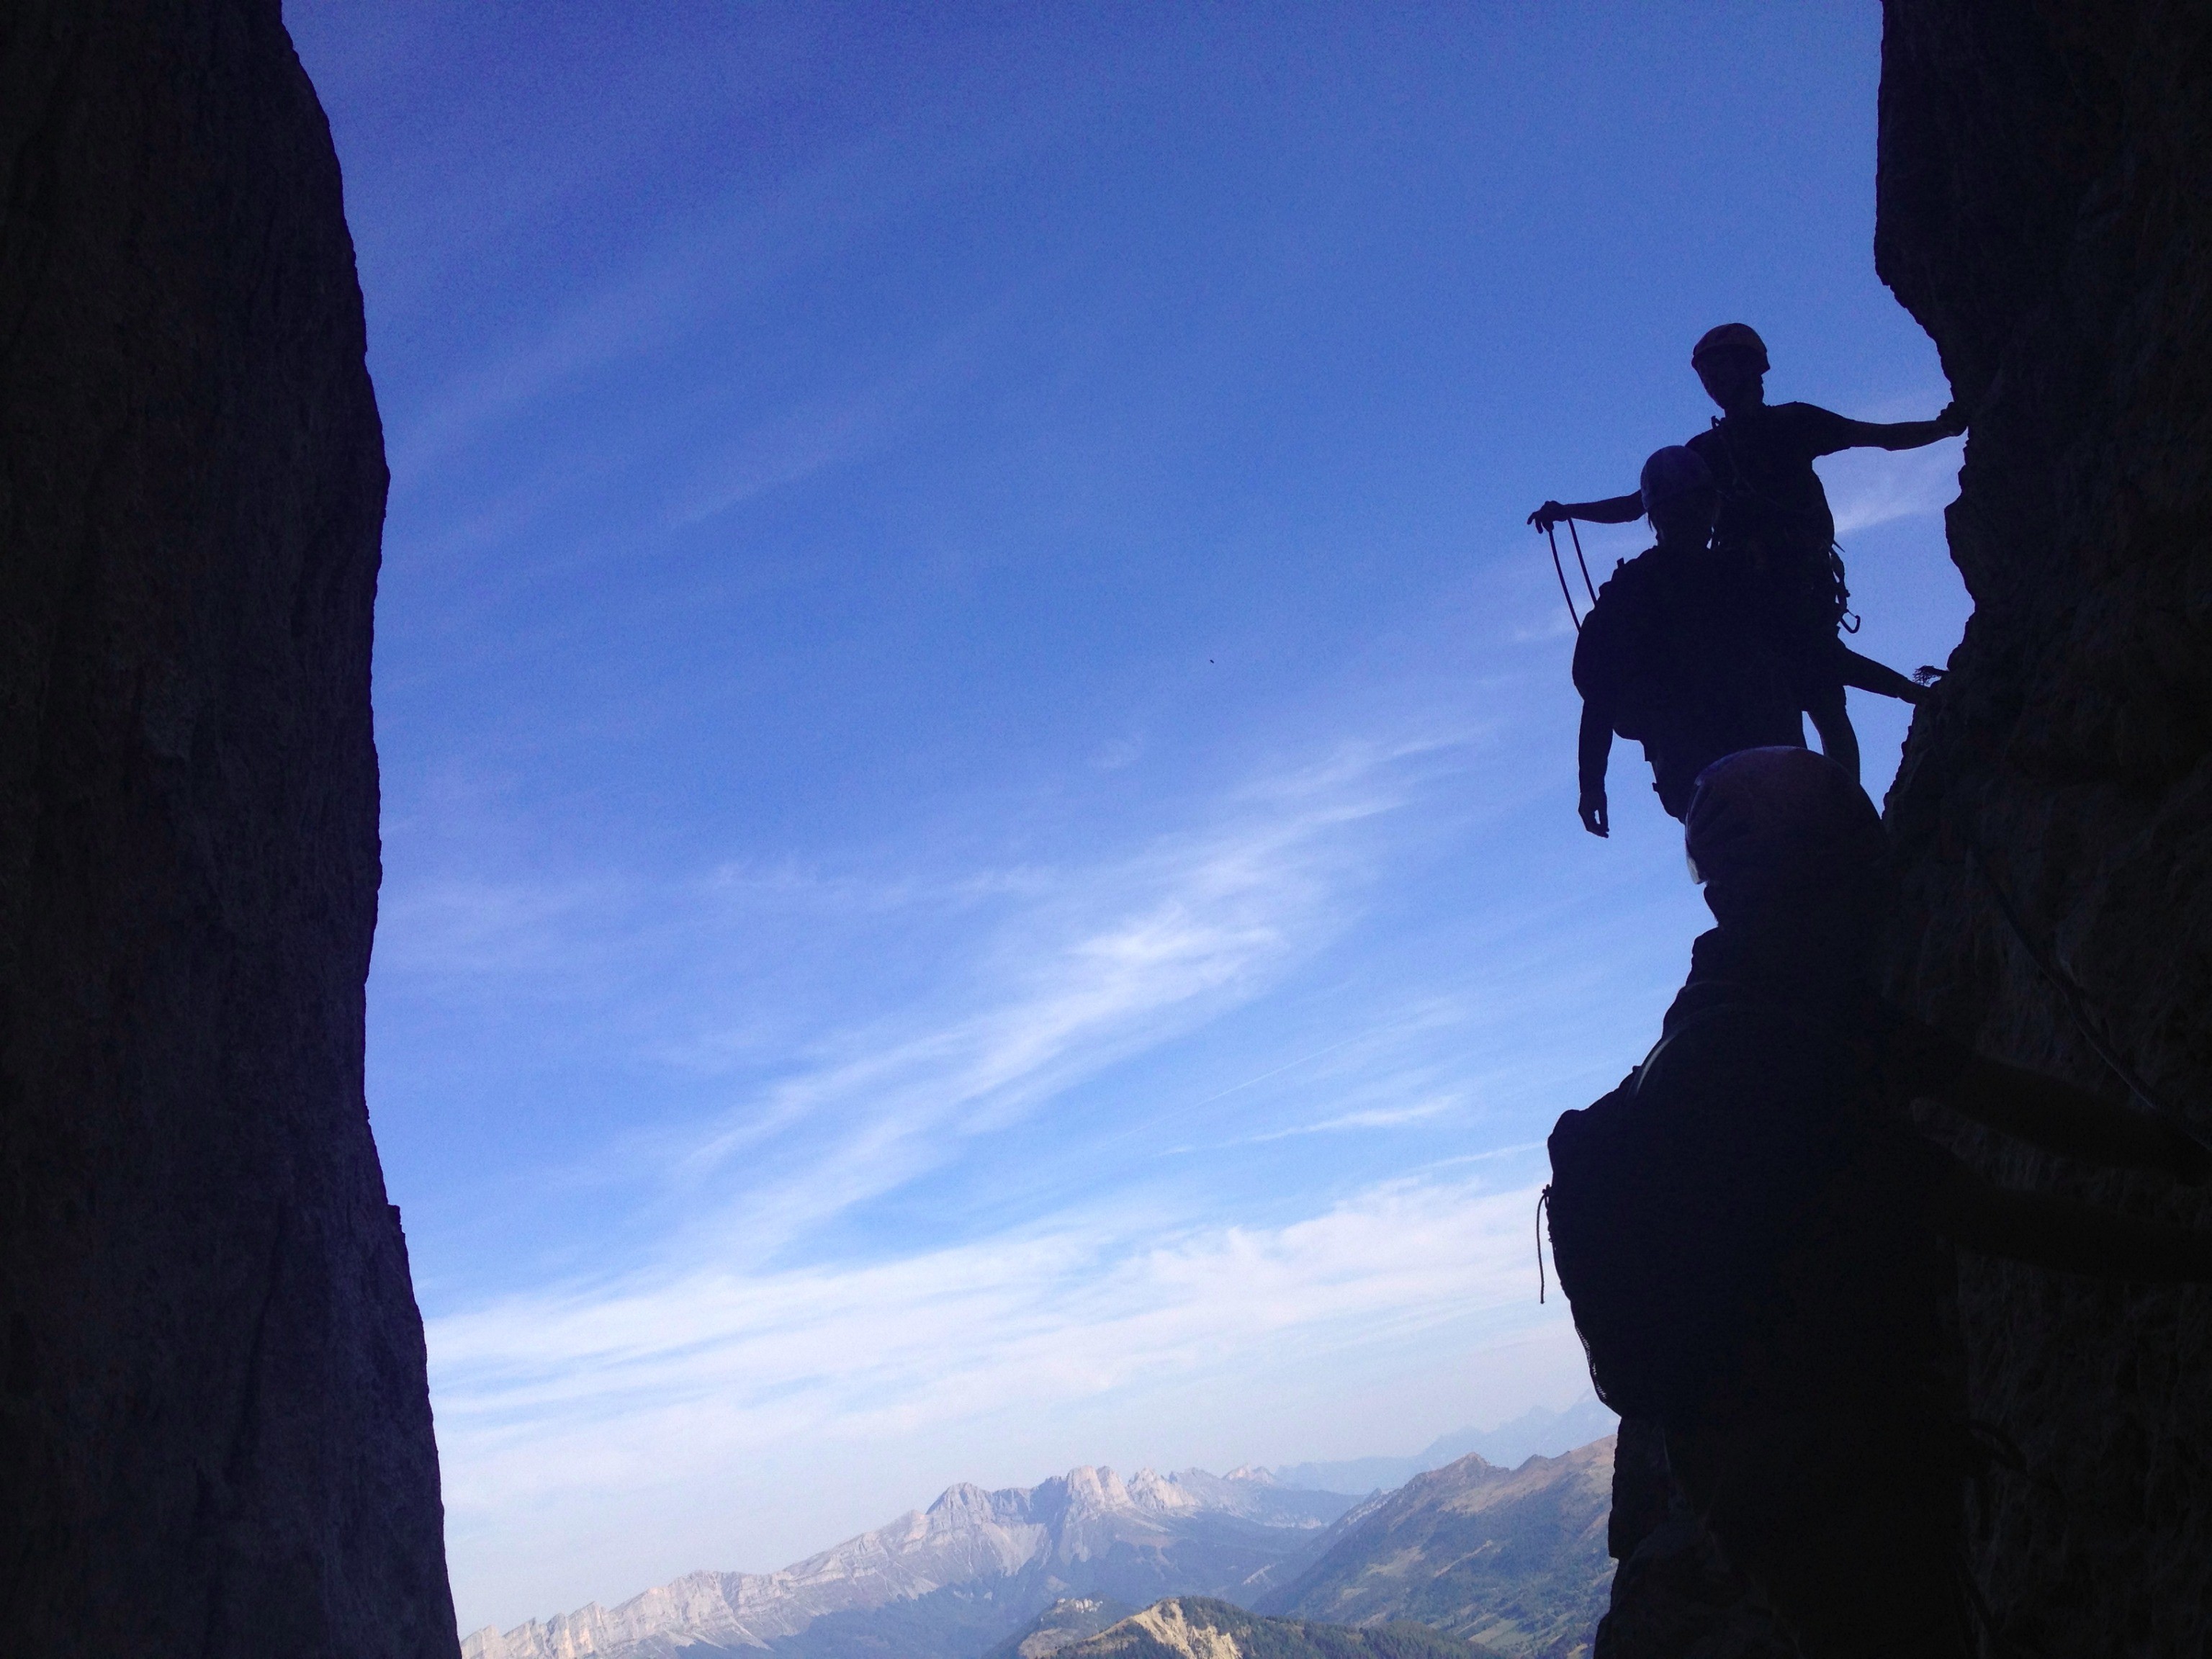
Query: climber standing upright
[{"x": 1774, "y": 519}]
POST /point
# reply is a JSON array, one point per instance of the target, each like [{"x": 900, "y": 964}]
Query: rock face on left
[{"x": 214, "y": 1429}]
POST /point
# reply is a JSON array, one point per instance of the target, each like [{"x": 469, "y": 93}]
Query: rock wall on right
[{"x": 2045, "y": 211}]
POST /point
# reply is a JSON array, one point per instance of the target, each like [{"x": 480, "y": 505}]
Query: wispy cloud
[
  {"x": 1868, "y": 487},
  {"x": 859, "y": 1225},
  {"x": 703, "y": 265},
  {"x": 1083, "y": 971},
  {"x": 823, "y": 432},
  {"x": 569, "y": 1393},
  {"x": 1373, "y": 1117},
  {"x": 740, "y": 1330}
]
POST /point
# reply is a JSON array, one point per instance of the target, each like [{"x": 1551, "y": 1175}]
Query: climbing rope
[{"x": 1559, "y": 570}]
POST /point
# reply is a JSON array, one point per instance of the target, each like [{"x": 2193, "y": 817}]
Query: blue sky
[{"x": 981, "y": 866}]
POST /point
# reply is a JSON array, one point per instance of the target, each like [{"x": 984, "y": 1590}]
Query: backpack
[
  {"x": 1670, "y": 1222},
  {"x": 1624, "y": 655}
]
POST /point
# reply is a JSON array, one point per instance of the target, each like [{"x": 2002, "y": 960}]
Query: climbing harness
[
  {"x": 2075, "y": 1001},
  {"x": 1840, "y": 600},
  {"x": 1560, "y": 570}
]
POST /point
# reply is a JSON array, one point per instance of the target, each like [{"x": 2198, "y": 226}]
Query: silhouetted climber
[
  {"x": 1774, "y": 514},
  {"x": 1755, "y": 1239},
  {"x": 1674, "y": 654}
]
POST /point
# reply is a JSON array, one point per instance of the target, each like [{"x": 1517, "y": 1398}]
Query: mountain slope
[
  {"x": 1193, "y": 1627},
  {"x": 1062, "y": 1625},
  {"x": 947, "y": 1581},
  {"x": 1514, "y": 1560}
]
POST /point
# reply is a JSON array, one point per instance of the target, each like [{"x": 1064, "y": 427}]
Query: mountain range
[
  {"x": 946, "y": 1582},
  {"x": 1512, "y": 1558}
]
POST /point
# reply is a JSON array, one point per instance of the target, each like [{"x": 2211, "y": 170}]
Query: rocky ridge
[
  {"x": 975, "y": 1563},
  {"x": 1193, "y": 1627},
  {"x": 1063, "y": 1623},
  {"x": 1514, "y": 1560}
]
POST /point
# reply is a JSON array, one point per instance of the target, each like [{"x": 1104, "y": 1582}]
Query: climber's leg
[
  {"x": 1868, "y": 675},
  {"x": 1837, "y": 741}
]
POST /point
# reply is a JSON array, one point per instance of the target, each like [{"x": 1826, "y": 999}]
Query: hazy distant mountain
[
  {"x": 1535, "y": 1433},
  {"x": 1059, "y": 1625},
  {"x": 1192, "y": 1627},
  {"x": 1512, "y": 1558},
  {"x": 948, "y": 1582}
]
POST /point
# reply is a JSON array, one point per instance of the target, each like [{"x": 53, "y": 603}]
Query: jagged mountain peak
[
  {"x": 1513, "y": 1556},
  {"x": 1087, "y": 1531},
  {"x": 966, "y": 1505},
  {"x": 1099, "y": 1487}
]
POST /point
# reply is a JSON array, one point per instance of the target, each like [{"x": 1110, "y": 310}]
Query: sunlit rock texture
[
  {"x": 215, "y": 1433},
  {"x": 1195, "y": 1627},
  {"x": 2045, "y": 210}
]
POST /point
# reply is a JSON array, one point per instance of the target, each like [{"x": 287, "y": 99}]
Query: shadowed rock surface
[
  {"x": 2045, "y": 210},
  {"x": 215, "y": 1428}
]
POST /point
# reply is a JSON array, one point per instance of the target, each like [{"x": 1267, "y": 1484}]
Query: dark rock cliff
[
  {"x": 214, "y": 1432},
  {"x": 2045, "y": 199}
]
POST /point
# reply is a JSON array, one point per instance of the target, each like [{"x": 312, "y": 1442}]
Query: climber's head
[
  {"x": 1787, "y": 843},
  {"x": 1679, "y": 497},
  {"x": 1731, "y": 364}
]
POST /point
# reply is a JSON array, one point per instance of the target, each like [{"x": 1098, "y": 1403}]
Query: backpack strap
[{"x": 1738, "y": 1004}]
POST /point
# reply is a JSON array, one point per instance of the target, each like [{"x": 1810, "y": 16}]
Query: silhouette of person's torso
[
  {"x": 1774, "y": 511},
  {"x": 1678, "y": 655}
]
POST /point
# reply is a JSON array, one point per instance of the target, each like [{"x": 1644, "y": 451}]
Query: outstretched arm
[
  {"x": 1614, "y": 509},
  {"x": 1907, "y": 435},
  {"x": 1868, "y": 675},
  {"x": 2032, "y": 1107},
  {"x": 2059, "y": 1233},
  {"x": 1594, "y": 749}
]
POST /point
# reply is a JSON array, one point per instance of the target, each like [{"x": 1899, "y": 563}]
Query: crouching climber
[
  {"x": 1756, "y": 1240},
  {"x": 1672, "y": 654}
]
